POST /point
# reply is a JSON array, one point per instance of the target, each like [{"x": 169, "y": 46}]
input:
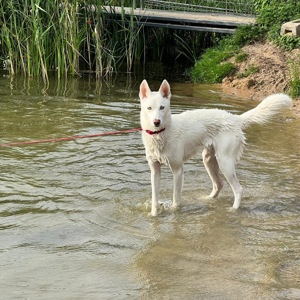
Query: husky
[{"x": 172, "y": 139}]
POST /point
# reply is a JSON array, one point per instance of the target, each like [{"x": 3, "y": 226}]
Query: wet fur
[{"x": 218, "y": 132}]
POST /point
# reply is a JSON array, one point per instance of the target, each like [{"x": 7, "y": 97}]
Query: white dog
[{"x": 173, "y": 139}]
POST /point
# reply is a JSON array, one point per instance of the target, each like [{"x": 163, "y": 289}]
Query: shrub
[
  {"x": 273, "y": 15},
  {"x": 278, "y": 12},
  {"x": 247, "y": 34}
]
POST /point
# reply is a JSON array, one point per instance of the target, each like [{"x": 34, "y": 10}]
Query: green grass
[
  {"x": 251, "y": 70},
  {"x": 271, "y": 15},
  {"x": 294, "y": 86},
  {"x": 212, "y": 68},
  {"x": 240, "y": 57}
]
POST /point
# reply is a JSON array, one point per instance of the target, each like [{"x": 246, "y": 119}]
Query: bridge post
[
  {"x": 134, "y": 4},
  {"x": 142, "y": 4}
]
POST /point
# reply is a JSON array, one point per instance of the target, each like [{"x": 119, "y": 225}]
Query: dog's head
[{"x": 155, "y": 106}]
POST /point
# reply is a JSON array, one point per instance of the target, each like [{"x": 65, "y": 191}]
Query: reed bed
[
  {"x": 68, "y": 37},
  {"x": 71, "y": 37}
]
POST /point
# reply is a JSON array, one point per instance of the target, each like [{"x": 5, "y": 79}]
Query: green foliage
[
  {"x": 287, "y": 42},
  {"x": 240, "y": 57},
  {"x": 251, "y": 70},
  {"x": 38, "y": 37},
  {"x": 271, "y": 14},
  {"x": 212, "y": 68},
  {"x": 212, "y": 73},
  {"x": 260, "y": 4},
  {"x": 247, "y": 34},
  {"x": 294, "y": 87},
  {"x": 278, "y": 12}
]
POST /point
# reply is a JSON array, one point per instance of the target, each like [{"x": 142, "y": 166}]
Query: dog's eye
[
  {"x": 149, "y": 107},
  {"x": 162, "y": 107}
]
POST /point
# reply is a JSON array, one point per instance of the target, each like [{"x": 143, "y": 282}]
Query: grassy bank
[{"x": 212, "y": 66}]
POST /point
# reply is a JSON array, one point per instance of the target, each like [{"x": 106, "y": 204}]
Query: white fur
[{"x": 218, "y": 132}]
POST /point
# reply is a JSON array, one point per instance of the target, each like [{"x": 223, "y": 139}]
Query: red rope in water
[{"x": 68, "y": 138}]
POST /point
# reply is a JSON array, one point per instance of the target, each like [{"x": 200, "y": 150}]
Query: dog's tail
[{"x": 266, "y": 110}]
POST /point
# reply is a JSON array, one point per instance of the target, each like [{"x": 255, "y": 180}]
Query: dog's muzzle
[{"x": 156, "y": 122}]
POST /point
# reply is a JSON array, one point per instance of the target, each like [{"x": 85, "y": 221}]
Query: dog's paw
[
  {"x": 174, "y": 207},
  {"x": 232, "y": 209},
  {"x": 158, "y": 210},
  {"x": 152, "y": 214}
]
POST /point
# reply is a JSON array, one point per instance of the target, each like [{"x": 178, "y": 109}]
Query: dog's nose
[{"x": 156, "y": 122}]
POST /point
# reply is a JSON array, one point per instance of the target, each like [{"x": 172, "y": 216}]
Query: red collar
[{"x": 155, "y": 132}]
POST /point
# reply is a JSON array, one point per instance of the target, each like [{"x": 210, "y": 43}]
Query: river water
[{"x": 73, "y": 218}]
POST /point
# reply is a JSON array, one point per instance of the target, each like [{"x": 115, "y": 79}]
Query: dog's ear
[
  {"x": 165, "y": 89},
  {"x": 144, "y": 90}
]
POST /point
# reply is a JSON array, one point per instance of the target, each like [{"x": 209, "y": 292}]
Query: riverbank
[{"x": 265, "y": 69}]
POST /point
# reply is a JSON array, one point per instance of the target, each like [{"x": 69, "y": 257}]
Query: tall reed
[{"x": 39, "y": 36}]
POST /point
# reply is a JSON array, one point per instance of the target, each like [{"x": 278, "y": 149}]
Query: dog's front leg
[
  {"x": 178, "y": 183},
  {"x": 155, "y": 184}
]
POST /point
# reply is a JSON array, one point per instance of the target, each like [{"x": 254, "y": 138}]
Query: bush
[
  {"x": 278, "y": 12},
  {"x": 272, "y": 16},
  {"x": 247, "y": 34}
]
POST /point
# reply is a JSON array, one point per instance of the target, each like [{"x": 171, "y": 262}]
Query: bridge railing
[{"x": 244, "y": 7}]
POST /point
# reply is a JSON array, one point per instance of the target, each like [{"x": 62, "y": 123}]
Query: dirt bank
[{"x": 265, "y": 69}]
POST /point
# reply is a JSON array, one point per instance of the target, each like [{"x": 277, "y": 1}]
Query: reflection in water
[{"x": 72, "y": 215}]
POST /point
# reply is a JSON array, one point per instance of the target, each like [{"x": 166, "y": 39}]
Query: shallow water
[{"x": 73, "y": 219}]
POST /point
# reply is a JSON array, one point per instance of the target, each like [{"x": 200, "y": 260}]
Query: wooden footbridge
[{"x": 223, "y": 17}]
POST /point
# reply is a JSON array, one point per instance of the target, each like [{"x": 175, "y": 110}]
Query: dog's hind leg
[
  {"x": 212, "y": 167},
  {"x": 227, "y": 166}
]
